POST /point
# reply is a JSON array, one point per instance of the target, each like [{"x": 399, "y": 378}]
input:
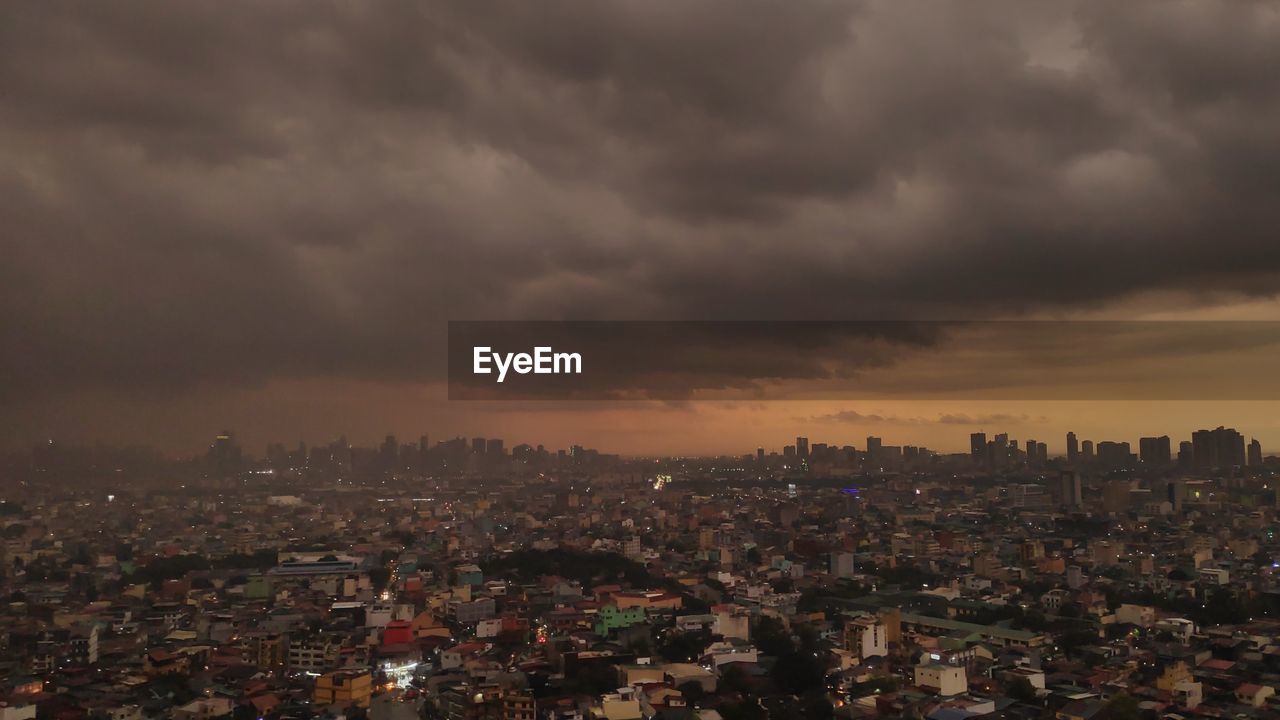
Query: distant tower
[
  {"x": 1155, "y": 450},
  {"x": 1186, "y": 454},
  {"x": 1073, "y": 447},
  {"x": 978, "y": 447},
  {"x": 224, "y": 454},
  {"x": 873, "y": 448},
  {"x": 1255, "y": 453},
  {"x": 1220, "y": 448},
  {"x": 1000, "y": 450},
  {"x": 802, "y": 447}
]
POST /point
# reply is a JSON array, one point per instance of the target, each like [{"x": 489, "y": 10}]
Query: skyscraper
[
  {"x": 1073, "y": 447},
  {"x": 1037, "y": 453},
  {"x": 389, "y": 453},
  {"x": 224, "y": 454},
  {"x": 802, "y": 447},
  {"x": 1000, "y": 450},
  {"x": 1186, "y": 454},
  {"x": 978, "y": 447},
  {"x": 1255, "y": 453},
  {"x": 873, "y": 449},
  {"x": 1222, "y": 447},
  {"x": 1155, "y": 450},
  {"x": 1072, "y": 489},
  {"x": 1114, "y": 454}
]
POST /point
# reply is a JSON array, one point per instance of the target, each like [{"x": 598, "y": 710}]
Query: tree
[
  {"x": 772, "y": 638},
  {"x": 680, "y": 647},
  {"x": 692, "y": 691},
  {"x": 640, "y": 647},
  {"x": 595, "y": 679},
  {"x": 1123, "y": 707},
  {"x": 814, "y": 704},
  {"x": 735, "y": 680}
]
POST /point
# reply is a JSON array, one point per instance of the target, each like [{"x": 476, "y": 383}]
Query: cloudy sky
[{"x": 261, "y": 216}]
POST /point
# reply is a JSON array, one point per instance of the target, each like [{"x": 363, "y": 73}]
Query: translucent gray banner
[{"x": 771, "y": 360}]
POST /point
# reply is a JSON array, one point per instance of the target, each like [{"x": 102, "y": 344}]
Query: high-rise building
[
  {"x": 389, "y": 452},
  {"x": 1086, "y": 451},
  {"x": 1222, "y": 447},
  {"x": 1255, "y": 453},
  {"x": 1155, "y": 450},
  {"x": 1114, "y": 454},
  {"x": 1186, "y": 454},
  {"x": 999, "y": 451},
  {"x": 493, "y": 446},
  {"x": 1073, "y": 447},
  {"x": 477, "y": 445},
  {"x": 873, "y": 449},
  {"x": 1037, "y": 453},
  {"x": 978, "y": 448},
  {"x": 760, "y": 456},
  {"x": 224, "y": 454},
  {"x": 1072, "y": 489}
]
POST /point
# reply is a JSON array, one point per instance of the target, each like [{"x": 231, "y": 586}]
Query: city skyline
[{"x": 1144, "y": 450}]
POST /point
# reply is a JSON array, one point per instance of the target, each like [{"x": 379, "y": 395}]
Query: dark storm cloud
[{"x": 210, "y": 192}]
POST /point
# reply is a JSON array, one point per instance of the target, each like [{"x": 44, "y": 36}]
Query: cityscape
[
  {"x": 640, "y": 360},
  {"x": 465, "y": 579}
]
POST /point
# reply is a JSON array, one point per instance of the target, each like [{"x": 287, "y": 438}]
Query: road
[{"x": 387, "y": 706}]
